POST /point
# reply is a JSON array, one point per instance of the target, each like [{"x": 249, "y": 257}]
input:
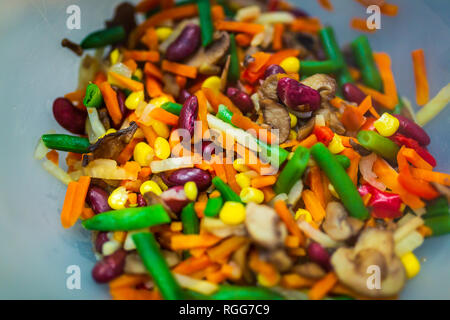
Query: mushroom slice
[
  {"x": 309, "y": 270},
  {"x": 325, "y": 85},
  {"x": 212, "y": 54},
  {"x": 279, "y": 258},
  {"x": 338, "y": 225},
  {"x": 373, "y": 251},
  {"x": 111, "y": 145},
  {"x": 277, "y": 117},
  {"x": 170, "y": 85},
  {"x": 306, "y": 129},
  {"x": 152, "y": 198},
  {"x": 268, "y": 89},
  {"x": 264, "y": 226}
]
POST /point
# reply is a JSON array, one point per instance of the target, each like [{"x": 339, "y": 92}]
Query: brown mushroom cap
[
  {"x": 309, "y": 270},
  {"x": 268, "y": 89},
  {"x": 338, "y": 225},
  {"x": 213, "y": 53},
  {"x": 277, "y": 117},
  {"x": 374, "y": 248},
  {"x": 325, "y": 85}
]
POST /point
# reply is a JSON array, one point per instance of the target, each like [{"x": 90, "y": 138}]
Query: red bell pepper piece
[
  {"x": 402, "y": 140},
  {"x": 384, "y": 204},
  {"x": 323, "y": 134}
]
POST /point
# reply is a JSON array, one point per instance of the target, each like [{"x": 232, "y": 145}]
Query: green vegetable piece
[
  {"x": 293, "y": 171},
  {"x": 228, "y": 12},
  {"x": 154, "y": 262},
  {"x": 272, "y": 153},
  {"x": 439, "y": 225},
  {"x": 341, "y": 181},
  {"x": 364, "y": 58},
  {"x": 213, "y": 207},
  {"x": 190, "y": 220},
  {"x": 224, "y": 114},
  {"x": 174, "y": 108},
  {"x": 104, "y": 37},
  {"x": 309, "y": 67},
  {"x": 437, "y": 207},
  {"x": 344, "y": 161},
  {"x": 206, "y": 23},
  {"x": 234, "y": 71},
  {"x": 227, "y": 193},
  {"x": 65, "y": 142},
  {"x": 128, "y": 219},
  {"x": 378, "y": 144},
  {"x": 232, "y": 292},
  {"x": 93, "y": 98}
]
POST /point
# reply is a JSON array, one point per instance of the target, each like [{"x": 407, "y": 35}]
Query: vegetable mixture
[{"x": 232, "y": 150}]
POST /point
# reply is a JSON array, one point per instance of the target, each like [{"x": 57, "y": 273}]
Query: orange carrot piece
[
  {"x": 416, "y": 160},
  {"x": 218, "y": 98},
  {"x": 191, "y": 241},
  {"x": 313, "y": 205},
  {"x": 309, "y": 25},
  {"x": 264, "y": 268},
  {"x": 127, "y": 293},
  {"x": 199, "y": 208},
  {"x": 179, "y": 69},
  {"x": 76, "y": 97},
  {"x": 164, "y": 116},
  {"x": 145, "y": 5},
  {"x": 264, "y": 181},
  {"x": 149, "y": 133},
  {"x": 127, "y": 280},
  {"x": 112, "y": 105},
  {"x": 355, "y": 73},
  {"x": 223, "y": 250},
  {"x": 181, "y": 81},
  {"x": 420, "y": 76},
  {"x": 219, "y": 168},
  {"x": 385, "y": 100},
  {"x": 99, "y": 78},
  {"x": 127, "y": 152},
  {"x": 217, "y": 13},
  {"x": 153, "y": 87},
  {"x": 269, "y": 194},
  {"x": 317, "y": 186},
  {"x": 309, "y": 141},
  {"x": 277, "y": 42},
  {"x": 431, "y": 176},
  {"x": 354, "y": 157},
  {"x": 231, "y": 180},
  {"x": 216, "y": 277},
  {"x": 246, "y": 123},
  {"x": 360, "y": 24},
  {"x": 243, "y": 40},
  {"x": 87, "y": 213},
  {"x": 295, "y": 281},
  {"x": 141, "y": 55},
  {"x": 144, "y": 173},
  {"x": 132, "y": 198},
  {"x": 292, "y": 241},
  {"x": 193, "y": 264},
  {"x": 287, "y": 217},
  {"x": 326, "y": 4},
  {"x": 320, "y": 289},
  {"x": 167, "y": 4},
  {"x": 383, "y": 61},
  {"x": 150, "y": 39},
  {"x": 151, "y": 70},
  {"x": 66, "y": 213},
  {"x": 127, "y": 83},
  {"x": 236, "y": 26},
  {"x": 389, "y": 9},
  {"x": 131, "y": 64},
  {"x": 53, "y": 156},
  {"x": 202, "y": 110},
  {"x": 80, "y": 198},
  {"x": 365, "y": 105}
]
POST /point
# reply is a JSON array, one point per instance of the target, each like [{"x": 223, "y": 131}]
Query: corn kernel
[
  {"x": 232, "y": 213},
  {"x": 411, "y": 264},
  {"x": 386, "y": 125},
  {"x": 292, "y": 135},
  {"x": 119, "y": 236},
  {"x": 160, "y": 128},
  {"x": 114, "y": 56},
  {"x": 159, "y": 101},
  {"x": 138, "y": 73},
  {"x": 118, "y": 198},
  {"x": 243, "y": 180},
  {"x": 109, "y": 247},
  {"x": 336, "y": 145},
  {"x": 163, "y": 33},
  {"x": 290, "y": 65},
  {"x": 191, "y": 190},
  {"x": 143, "y": 154},
  {"x": 304, "y": 214},
  {"x": 239, "y": 165},
  {"x": 333, "y": 191},
  {"x": 162, "y": 148},
  {"x": 252, "y": 195},
  {"x": 150, "y": 186},
  {"x": 265, "y": 282},
  {"x": 293, "y": 120},
  {"x": 134, "y": 99},
  {"x": 213, "y": 83}
]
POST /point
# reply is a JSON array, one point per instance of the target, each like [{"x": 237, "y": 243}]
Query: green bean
[
  {"x": 293, "y": 171},
  {"x": 93, "y": 97},
  {"x": 104, "y": 37},
  {"x": 378, "y": 144},
  {"x": 190, "y": 220},
  {"x": 65, "y": 142},
  {"x": 224, "y": 114},
  {"x": 172, "y": 107},
  {"x": 344, "y": 161},
  {"x": 128, "y": 219},
  {"x": 364, "y": 58},
  {"x": 213, "y": 207},
  {"x": 341, "y": 181},
  {"x": 437, "y": 207},
  {"x": 234, "y": 70},
  {"x": 232, "y": 292},
  {"x": 438, "y": 225},
  {"x": 206, "y": 23},
  {"x": 227, "y": 193},
  {"x": 154, "y": 262},
  {"x": 309, "y": 68}
]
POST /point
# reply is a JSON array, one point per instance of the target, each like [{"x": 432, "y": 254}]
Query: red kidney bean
[
  {"x": 110, "y": 267},
  {"x": 175, "y": 198},
  {"x": 208, "y": 149},
  {"x": 185, "y": 45},
  {"x": 102, "y": 237},
  {"x": 354, "y": 94},
  {"x": 98, "y": 199},
  {"x": 294, "y": 94},
  {"x": 201, "y": 177},
  {"x": 319, "y": 255},
  {"x": 121, "y": 100},
  {"x": 188, "y": 114},
  {"x": 141, "y": 201},
  {"x": 411, "y": 129},
  {"x": 69, "y": 117},
  {"x": 241, "y": 100},
  {"x": 183, "y": 96},
  {"x": 273, "y": 69}
]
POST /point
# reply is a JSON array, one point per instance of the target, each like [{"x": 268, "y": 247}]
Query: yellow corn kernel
[
  {"x": 162, "y": 148},
  {"x": 292, "y": 135},
  {"x": 262, "y": 280},
  {"x": 239, "y": 165},
  {"x": 176, "y": 226},
  {"x": 213, "y": 82},
  {"x": 163, "y": 33},
  {"x": 333, "y": 191},
  {"x": 119, "y": 236},
  {"x": 118, "y": 198},
  {"x": 293, "y": 120},
  {"x": 290, "y": 65},
  {"x": 143, "y": 154},
  {"x": 134, "y": 99},
  {"x": 336, "y": 145},
  {"x": 411, "y": 264},
  {"x": 232, "y": 213},
  {"x": 304, "y": 214},
  {"x": 387, "y": 125},
  {"x": 114, "y": 56},
  {"x": 138, "y": 73},
  {"x": 243, "y": 180},
  {"x": 160, "y": 128},
  {"x": 159, "y": 101},
  {"x": 150, "y": 186},
  {"x": 191, "y": 190},
  {"x": 250, "y": 194}
]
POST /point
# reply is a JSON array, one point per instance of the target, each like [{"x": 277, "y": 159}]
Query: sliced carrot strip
[
  {"x": 140, "y": 55},
  {"x": 127, "y": 83},
  {"x": 360, "y": 24},
  {"x": 295, "y": 281},
  {"x": 287, "y": 217},
  {"x": 152, "y": 70},
  {"x": 53, "y": 156},
  {"x": 66, "y": 213},
  {"x": 309, "y": 25},
  {"x": 153, "y": 87},
  {"x": 431, "y": 176},
  {"x": 320, "y": 289},
  {"x": 246, "y": 123},
  {"x": 231, "y": 173},
  {"x": 179, "y": 69},
  {"x": 235, "y": 26},
  {"x": 313, "y": 205},
  {"x": 326, "y": 4},
  {"x": 317, "y": 186},
  {"x": 127, "y": 280},
  {"x": 264, "y": 181},
  {"x": 193, "y": 264},
  {"x": 131, "y": 64},
  {"x": 112, "y": 105},
  {"x": 217, "y": 13},
  {"x": 243, "y": 40},
  {"x": 127, "y": 152},
  {"x": 223, "y": 250},
  {"x": 383, "y": 61},
  {"x": 191, "y": 241},
  {"x": 420, "y": 76},
  {"x": 164, "y": 116}
]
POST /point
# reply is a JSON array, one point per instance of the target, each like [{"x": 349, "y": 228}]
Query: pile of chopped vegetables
[{"x": 231, "y": 150}]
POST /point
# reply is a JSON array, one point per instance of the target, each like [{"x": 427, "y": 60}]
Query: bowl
[{"x": 38, "y": 255}]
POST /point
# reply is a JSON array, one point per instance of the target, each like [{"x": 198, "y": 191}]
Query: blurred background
[{"x": 35, "y": 69}]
